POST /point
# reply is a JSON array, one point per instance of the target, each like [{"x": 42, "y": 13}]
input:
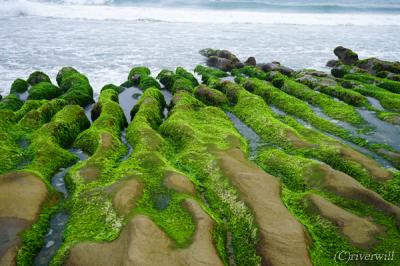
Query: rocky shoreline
[{"x": 235, "y": 163}]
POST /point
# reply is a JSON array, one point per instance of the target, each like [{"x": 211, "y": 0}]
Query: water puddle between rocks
[
  {"x": 127, "y": 99},
  {"x": 126, "y": 143},
  {"x": 88, "y": 112},
  {"x": 23, "y": 96},
  {"x": 168, "y": 98},
  {"x": 252, "y": 137},
  {"x": 53, "y": 239},
  {"x": 382, "y": 132},
  {"x": 375, "y": 103}
]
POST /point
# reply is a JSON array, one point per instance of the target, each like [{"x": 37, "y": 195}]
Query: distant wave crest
[{"x": 106, "y": 10}]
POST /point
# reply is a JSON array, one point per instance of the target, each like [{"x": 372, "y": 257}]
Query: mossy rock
[
  {"x": 76, "y": 86},
  {"x": 167, "y": 78},
  {"x": 208, "y": 72},
  {"x": 187, "y": 75},
  {"x": 136, "y": 73},
  {"x": 182, "y": 84},
  {"x": 11, "y": 102},
  {"x": 118, "y": 89},
  {"x": 37, "y": 77},
  {"x": 148, "y": 82},
  {"x": 210, "y": 96},
  {"x": 44, "y": 91},
  {"x": 19, "y": 86},
  {"x": 64, "y": 73}
]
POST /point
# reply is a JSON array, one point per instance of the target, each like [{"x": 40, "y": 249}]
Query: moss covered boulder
[
  {"x": 210, "y": 96},
  {"x": 19, "y": 86},
  {"x": 76, "y": 87},
  {"x": 136, "y": 73},
  {"x": 37, "y": 77},
  {"x": 11, "y": 102},
  {"x": 44, "y": 91},
  {"x": 148, "y": 82},
  {"x": 345, "y": 55}
]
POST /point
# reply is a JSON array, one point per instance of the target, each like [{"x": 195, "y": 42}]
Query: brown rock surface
[
  {"x": 360, "y": 231},
  {"x": 21, "y": 195},
  {"x": 179, "y": 182},
  {"x": 124, "y": 198},
  {"x": 346, "y": 186},
  {"x": 284, "y": 240},
  {"x": 143, "y": 243}
]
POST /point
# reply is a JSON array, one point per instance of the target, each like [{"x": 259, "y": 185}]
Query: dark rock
[
  {"x": 239, "y": 65},
  {"x": 220, "y": 63},
  {"x": 345, "y": 55},
  {"x": 332, "y": 63},
  {"x": 275, "y": 66},
  {"x": 374, "y": 66},
  {"x": 251, "y": 61},
  {"x": 96, "y": 111},
  {"x": 270, "y": 67},
  {"x": 37, "y": 77}
]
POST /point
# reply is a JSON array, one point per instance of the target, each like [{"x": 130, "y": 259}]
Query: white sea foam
[{"x": 97, "y": 10}]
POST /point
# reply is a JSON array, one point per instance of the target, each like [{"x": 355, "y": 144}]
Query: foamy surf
[{"x": 99, "y": 10}]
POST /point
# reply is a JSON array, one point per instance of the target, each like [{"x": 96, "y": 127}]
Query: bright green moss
[
  {"x": 47, "y": 143},
  {"x": 148, "y": 82},
  {"x": 250, "y": 71},
  {"x": 28, "y": 106},
  {"x": 167, "y": 78},
  {"x": 293, "y": 171},
  {"x": 32, "y": 239},
  {"x": 192, "y": 127},
  {"x": 329, "y": 106},
  {"x": 182, "y": 84},
  {"x": 76, "y": 86},
  {"x": 19, "y": 86},
  {"x": 180, "y": 71},
  {"x": 118, "y": 89},
  {"x": 136, "y": 73},
  {"x": 36, "y": 117},
  {"x": 348, "y": 96},
  {"x": 44, "y": 91},
  {"x": 389, "y": 100},
  {"x": 64, "y": 73},
  {"x": 208, "y": 72},
  {"x": 11, "y": 102},
  {"x": 390, "y": 85},
  {"x": 37, "y": 77}
]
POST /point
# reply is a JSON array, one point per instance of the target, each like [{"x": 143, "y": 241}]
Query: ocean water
[{"x": 105, "y": 38}]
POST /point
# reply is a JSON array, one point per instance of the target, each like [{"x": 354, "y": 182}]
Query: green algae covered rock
[
  {"x": 11, "y": 102},
  {"x": 167, "y": 78},
  {"x": 187, "y": 75},
  {"x": 250, "y": 71},
  {"x": 44, "y": 91},
  {"x": 148, "y": 82},
  {"x": 182, "y": 84},
  {"x": 76, "y": 87},
  {"x": 149, "y": 99},
  {"x": 345, "y": 55},
  {"x": 37, "y": 77},
  {"x": 208, "y": 72},
  {"x": 118, "y": 89},
  {"x": 19, "y": 86},
  {"x": 210, "y": 96},
  {"x": 64, "y": 73},
  {"x": 136, "y": 73}
]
